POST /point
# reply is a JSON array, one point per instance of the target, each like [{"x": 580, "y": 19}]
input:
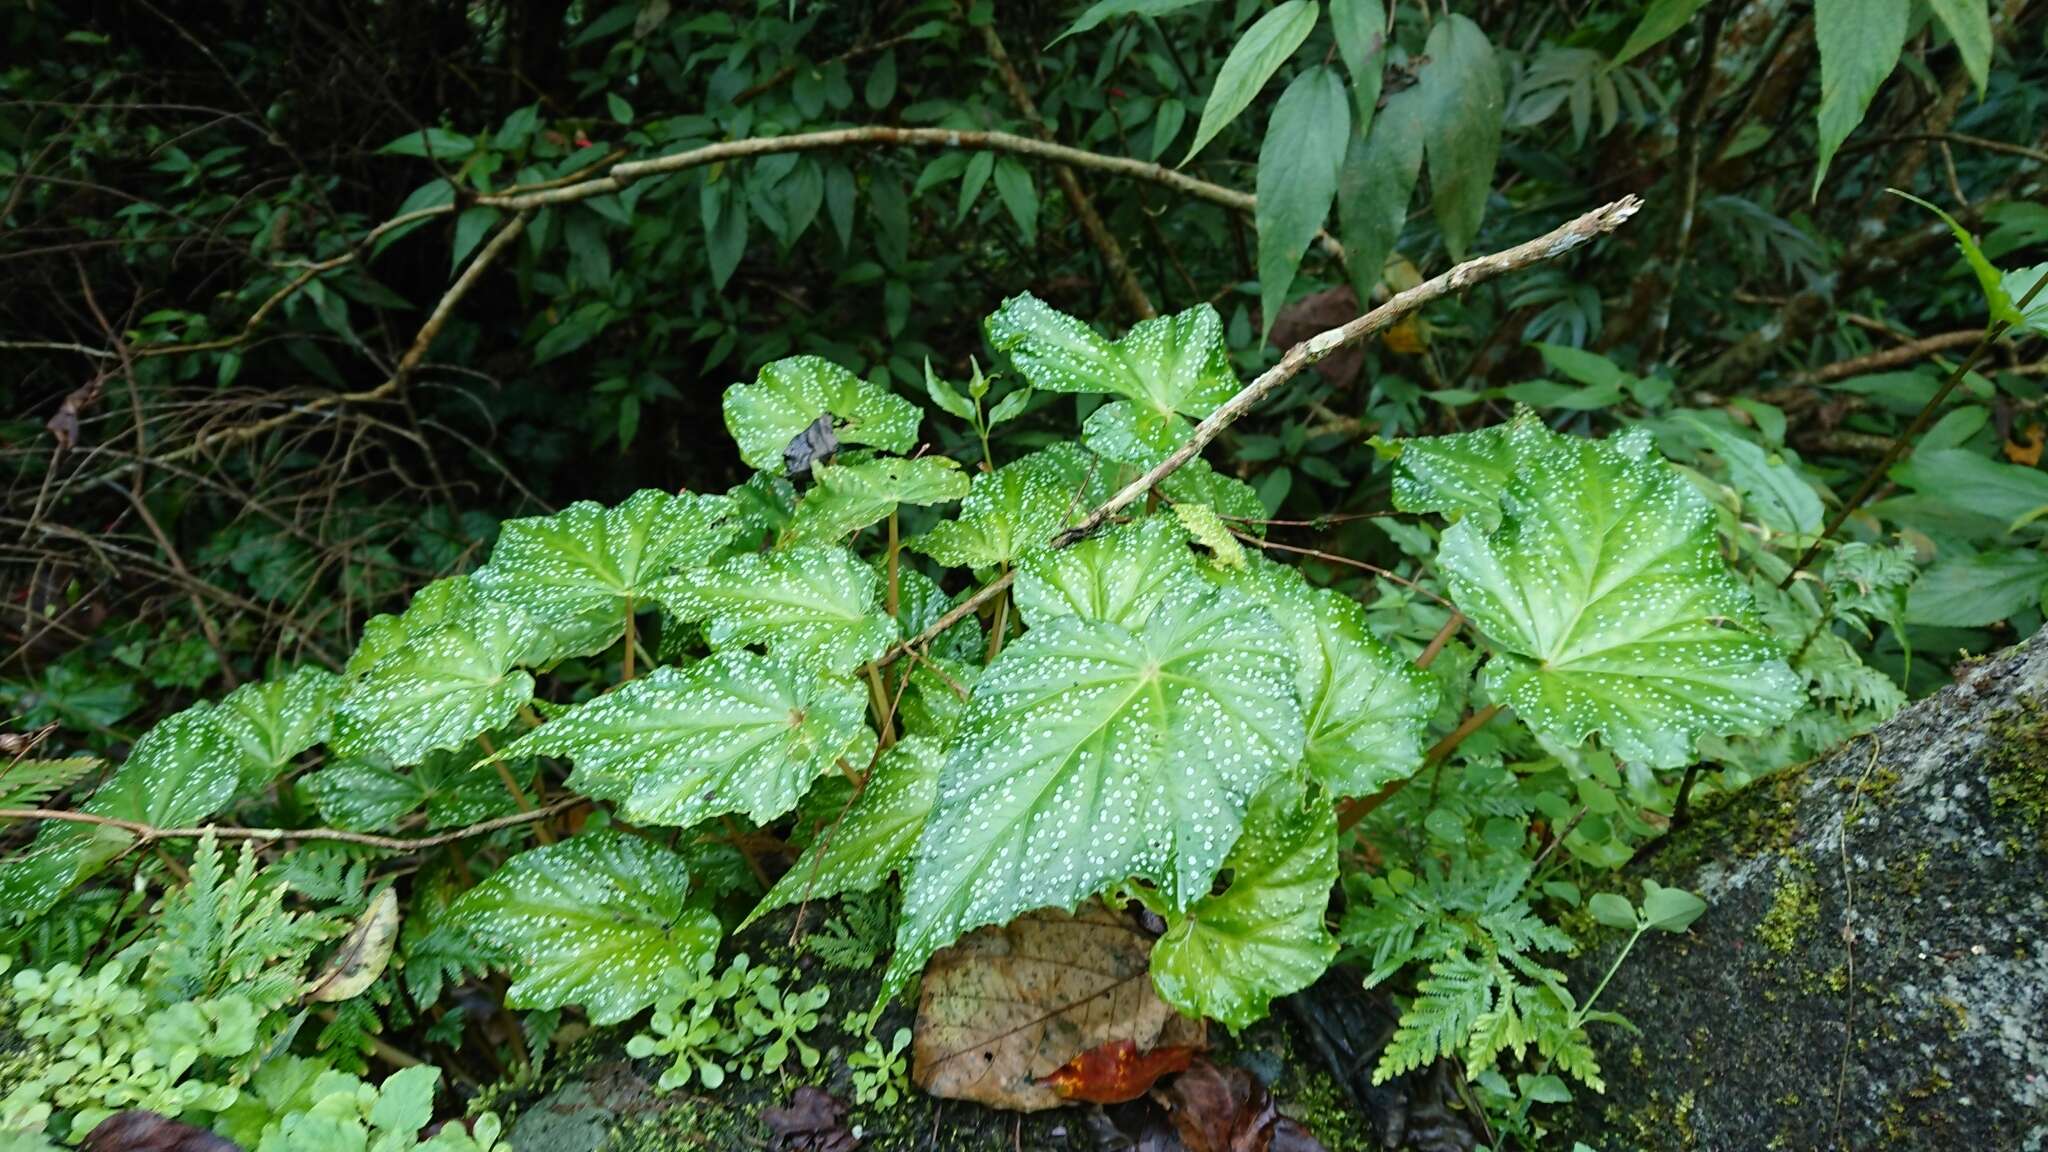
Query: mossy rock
[{"x": 1873, "y": 970}]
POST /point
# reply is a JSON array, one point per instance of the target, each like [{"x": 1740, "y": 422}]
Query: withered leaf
[
  {"x": 1117, "y": 1071},
  {"x": 1228, "y": 1110},
  {"x": 362, "y": 957},
  {"x": 815, "y": 1121},
  {"x": 1005, "y": 1007},
  {"x": 140, "y": 1130}
]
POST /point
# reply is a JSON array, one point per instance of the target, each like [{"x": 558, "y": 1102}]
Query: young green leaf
[
  {"x": 1670, "y": 909},
  {"x": 845, "y": 498},
  {"x": 733, "y": 733},
  {"x": 442, "y": 689},
  {"x": 1093, "y": 752},
  {"x": 1017, "y": 509},
  {"x": 1169, "y": 364},
  {"x": 1613, "y": 612},
  {"x": 602, "y": 920},
  {"x": 1613, "y": 911},
  {"x": 1860, "y": 42},
  {"x": 790, "y": 395},
  {"x": 949, "y": 400},
  {"x": 578, "y": 572},
  {"x": 1252, "y": 61},
  {"x": 1230, "y": 954},
  {"x": 813, "y": 604},
  {"x": 876, "y": 836},
  {"x": 1298, "y": 163},
  {"x": 1997, "y": 298}
]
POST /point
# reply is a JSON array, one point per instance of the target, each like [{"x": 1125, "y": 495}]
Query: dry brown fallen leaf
[
  {"x": 1227, "y": 1110},
  {"x": 363, "y": 956},
  {"x": 1007, "y": 1006}
]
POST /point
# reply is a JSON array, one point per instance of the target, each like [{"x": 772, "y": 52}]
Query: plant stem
[
  {"x": 746, "y": 852},
  {"x": 1905, "y": 439},
  {"x": 878, "y": 698},
  {"x": 626, "y": 670},
  {"x": 895, "y": 547}
]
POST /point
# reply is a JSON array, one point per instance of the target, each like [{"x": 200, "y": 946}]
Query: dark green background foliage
[{"x": 304, "y": 300}]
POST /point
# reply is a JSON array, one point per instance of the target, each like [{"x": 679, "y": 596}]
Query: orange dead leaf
[
  {"x": 1115, "y": 1072},
  {"x": 1406, "y": 337},
  {"x": 2025, "y": 449}
]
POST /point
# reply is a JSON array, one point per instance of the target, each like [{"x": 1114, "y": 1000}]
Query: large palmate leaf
[
  {"x": 442, "y": 688},
  {"x": 1093, "y": 752},
  {"x": 1017, "y": 508},
  {"x": 442, "y": 602},
  {"x": 875, "y": 837},
  {"x": 1366, "y": 710},
  {"x": 845, "y": 498},
  {"x": 1168, "y": 364},
  {"x": 602, "y": 920},
  {"x": 1605, "y": 592},
  {"x": 578, "y": 572},
  {"x": 1120, "y": 576},
  {"x": 272, "y": 722},
  {"x": 814, "y": 604},
  {"x": 1230, "y": 954},
  {"x": 733, "y": 733},
  {"x": 791, "y": 394}
]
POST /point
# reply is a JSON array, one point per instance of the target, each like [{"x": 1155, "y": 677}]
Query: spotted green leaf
[
  {"x": 875, "y": 837},
  {"x": 1605, "y": 593},
  {"x": 454, "y": 789},
  {"x": 181, "y": 771},
  {"x": 1120, "y": 576},
  {"x": 845, "y": 498},
  {"x": 1017, "y": 508},
  {"x": 442, "y": 602},
  {"x": 1230, "y": 954},
  {"x": 814, "y": 604},
  {"x": 603, "y": 920},
  {"x": 1462, "y": 474},
  {"x": 791, "y": 394},
  {"x": 271, "y": 722},
  {"x": 578, "y": 572},
  {"x": 734, "y": 733},
  {"x": 1366, "y": 709},
  {"x": 1093, "y": 752},
  {"x": 1167, "y": 364},
  {"x": 441, "y": 689}
]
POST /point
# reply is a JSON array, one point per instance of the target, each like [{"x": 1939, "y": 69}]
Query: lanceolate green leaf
[
  {"x": 1860, "y": 42},
  {"x": 1121, "y": 576},
  {"x": 845, "y": 498},
  {"x": 1252, "y": 61},
  {"x": 1103, "y": 10},
  {"x": 1969, "y": 25},
  {"x": 791, "y": 394},
  {"x": 875, "y": 837},
  {"x": 1998, "y": 297},
  {"x": 1170, "y": 364},
  {"x": 1375, "y": 184},
  {"x": 813, "y": 604},
  {"x": 578, "y": 572},
  {"x": 1366, "y": 709},
  {"x": 440, "y": 689},
  {"x": 1660, "y": 20},
  {"x": 1298, "y": 163},
  {"x": 272, "y": 722},
  {"x": 1092, "y": 753},
  {"x": 1461, "y": 87},
  {"x": 602, "y": 920},
  {"x": 1361, "y": 31},
  {"x": 1613, "y": 612},
  {"x": 1230, "y": 954},
  {"x": 1980, "y": 590},
  {"x": 734, "y": 733},
  {"x": 1017, "y": 508}
]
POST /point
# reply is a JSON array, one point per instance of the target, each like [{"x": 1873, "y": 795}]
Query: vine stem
[
  {"x": 1297, "y": 359},
  {"x": 1904, "y": 440},
  {"x": 150, "y": 833}
]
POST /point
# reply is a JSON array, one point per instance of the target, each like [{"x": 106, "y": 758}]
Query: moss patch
[{"x": 1794, "y": 909}]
